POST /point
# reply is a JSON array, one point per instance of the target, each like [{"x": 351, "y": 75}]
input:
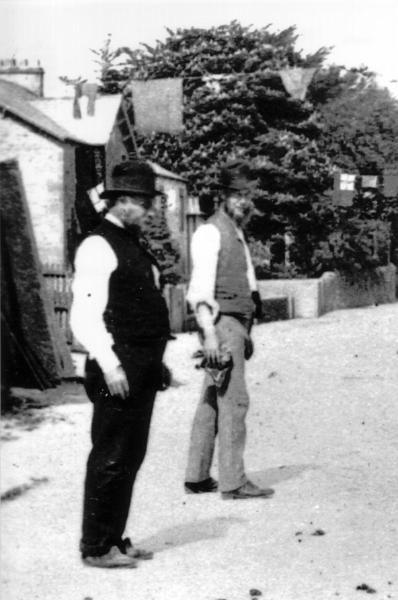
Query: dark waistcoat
[
  {"x": 232, "y": 290},
  {"x": 136, "y": 310}
]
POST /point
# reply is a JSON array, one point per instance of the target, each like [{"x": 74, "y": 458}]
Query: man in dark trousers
[
  {"x": 120, "y": 317},
  {"x": 223, "y": 293}
]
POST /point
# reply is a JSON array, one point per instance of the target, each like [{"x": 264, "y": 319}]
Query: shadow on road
[
  {"x": 217, "y": 527},
  {"x": 189, "y": 533},
  {"x": 273, "y": 476}
]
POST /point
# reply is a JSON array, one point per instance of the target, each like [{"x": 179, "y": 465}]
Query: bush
[{"x": 162, "y": 246}]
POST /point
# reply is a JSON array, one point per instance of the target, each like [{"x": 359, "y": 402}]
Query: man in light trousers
[{"x": 223, "y": 293}]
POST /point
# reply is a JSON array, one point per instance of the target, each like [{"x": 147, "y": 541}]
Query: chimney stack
[{"x": 23, "y": 74}]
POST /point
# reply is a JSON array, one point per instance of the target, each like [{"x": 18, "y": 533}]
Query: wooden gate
[
  {"x": 59, "y": 287},
  {"x": 59, "y": 284}
]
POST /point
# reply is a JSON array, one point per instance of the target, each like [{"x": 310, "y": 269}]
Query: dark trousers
[{"x": 119, "y": 432}]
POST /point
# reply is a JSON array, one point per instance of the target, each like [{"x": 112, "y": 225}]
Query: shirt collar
[{"x": 110, "y": 217}]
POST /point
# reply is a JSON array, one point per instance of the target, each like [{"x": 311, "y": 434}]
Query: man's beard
[{"x": 240, "y": 217}]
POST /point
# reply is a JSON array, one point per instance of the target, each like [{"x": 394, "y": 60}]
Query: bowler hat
[
  {"x": 235, "y": 175},
  {"x": 131, "y": 177}
]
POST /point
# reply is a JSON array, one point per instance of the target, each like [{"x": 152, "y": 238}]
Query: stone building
[
  {"x": 64, "y": 162},
  {"x": 40, "y": 146}
]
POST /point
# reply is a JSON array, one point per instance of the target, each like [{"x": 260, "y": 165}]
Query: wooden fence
[
  {"x": 181, "y": 317},
  {"x": 59, "y": 287}
]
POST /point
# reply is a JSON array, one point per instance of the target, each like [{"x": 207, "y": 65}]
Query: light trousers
[{"x": 222, "y": 415}]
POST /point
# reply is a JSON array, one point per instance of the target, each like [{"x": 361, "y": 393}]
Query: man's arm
[
  {"x": 95, "y": 261},
  {"x": 211, "y": 344},
  {"x": 205, "y": 248}
]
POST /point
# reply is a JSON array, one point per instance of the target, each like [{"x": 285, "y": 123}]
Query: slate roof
[
  {"x": 92, "y": 130},
  {"x": 16, "y": 101}
]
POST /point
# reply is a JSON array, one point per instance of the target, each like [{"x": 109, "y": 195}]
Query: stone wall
[
  {"x": 41, "y": 165},
  {"x": 301, "y": 293},
  {"x": 337, "y": 292},
  {"x": 314, "y": 297}
]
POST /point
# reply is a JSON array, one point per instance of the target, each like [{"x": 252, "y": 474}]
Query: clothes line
[
  {"x": 220, "y": 76},
  {"x": 158, "y": 102},
  {"x": 295, "y": 79},
  {"x": 199, "y": 77}
]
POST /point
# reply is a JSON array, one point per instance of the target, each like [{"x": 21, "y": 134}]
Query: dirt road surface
[{"x": 322, "y": 431}]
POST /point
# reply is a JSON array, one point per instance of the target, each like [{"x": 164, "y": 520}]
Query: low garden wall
[{"x": 314, "y": 297}]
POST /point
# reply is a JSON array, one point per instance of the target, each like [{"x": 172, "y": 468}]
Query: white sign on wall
[{"x": 171, "y": 199}]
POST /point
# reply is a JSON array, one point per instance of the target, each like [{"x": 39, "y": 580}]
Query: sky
[{"x": 60, "y": 33}]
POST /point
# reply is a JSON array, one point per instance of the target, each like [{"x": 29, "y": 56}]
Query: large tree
[
  {"x": 360, "y": 133},
  {"x": 361, "y": 130},
  {"x": 247, "y": 112}
]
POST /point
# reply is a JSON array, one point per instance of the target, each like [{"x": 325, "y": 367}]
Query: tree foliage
[
  {"x": 292, "y": 145},
  {"x": 361, "y": 130},
  {"x": 360, "y": 133},
  {"x": 161, "y": 245}
]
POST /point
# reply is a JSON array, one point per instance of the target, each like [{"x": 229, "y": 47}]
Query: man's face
[
  {"x": 131, "y": 209},
  {"x": 239, "y": 208}
]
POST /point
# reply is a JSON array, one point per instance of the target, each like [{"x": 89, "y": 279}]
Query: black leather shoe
[
  {"x": 246, "y": 491},
  {"x": 134, "y": 552},
  {"x": 113, "y": 559},
  {"x": 201, "y": 487}
]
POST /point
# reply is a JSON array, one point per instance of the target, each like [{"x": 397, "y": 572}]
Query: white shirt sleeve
[
  {"x": 205, "y": 247},
  {"x": 94, "y": 263}
]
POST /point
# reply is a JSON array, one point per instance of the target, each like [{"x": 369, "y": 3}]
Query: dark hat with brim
[
  {"x": 235, "y": 176},
  {"x": 135, "y": 177}
]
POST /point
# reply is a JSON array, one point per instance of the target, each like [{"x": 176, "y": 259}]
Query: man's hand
[
  {"x": 117, "y": 382},
  {"x": 211, "y": 349},
  {"x": 258, "y": 311},
  {"x": 210, "y": 343}
]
